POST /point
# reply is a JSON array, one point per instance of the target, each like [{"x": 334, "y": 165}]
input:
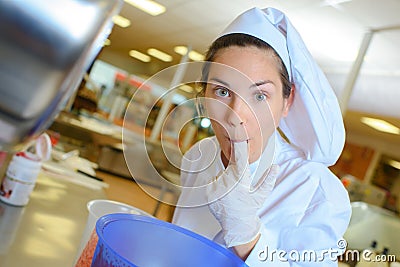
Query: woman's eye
[
  {"x": 260, "y": 97},
  {"x": 222, "y": 92}
]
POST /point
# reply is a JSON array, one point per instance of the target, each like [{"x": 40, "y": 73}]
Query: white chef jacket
[{"x": 307, "y": 211}]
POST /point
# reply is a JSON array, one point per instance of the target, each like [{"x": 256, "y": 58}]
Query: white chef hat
[{"x": 314, "y": 123}]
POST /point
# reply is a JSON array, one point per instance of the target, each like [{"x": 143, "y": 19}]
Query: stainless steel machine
[{"x": 45, "y": 48}]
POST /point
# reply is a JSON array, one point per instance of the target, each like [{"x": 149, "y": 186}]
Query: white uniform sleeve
[{"x": 316, "y": 241}]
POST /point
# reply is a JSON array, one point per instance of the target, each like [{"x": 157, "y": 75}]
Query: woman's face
[{"x": 244, "y": 98}]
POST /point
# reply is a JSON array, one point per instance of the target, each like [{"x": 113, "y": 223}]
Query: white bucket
[{"x": 99, "y": 207}]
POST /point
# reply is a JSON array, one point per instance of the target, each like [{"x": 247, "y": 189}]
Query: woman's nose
[{"x": 238, "y": 112}]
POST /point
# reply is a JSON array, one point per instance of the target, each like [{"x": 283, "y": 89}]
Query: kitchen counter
[{"x": 47, "y": 231}]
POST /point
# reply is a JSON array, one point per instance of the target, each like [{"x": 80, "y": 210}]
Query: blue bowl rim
[{"x": 109, "y": 218}]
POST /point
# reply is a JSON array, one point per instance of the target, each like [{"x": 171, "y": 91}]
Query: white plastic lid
[{"x": 43, "y": 147}]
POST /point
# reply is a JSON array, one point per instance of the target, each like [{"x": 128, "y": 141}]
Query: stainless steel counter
[{"x": 46, "y": 232}]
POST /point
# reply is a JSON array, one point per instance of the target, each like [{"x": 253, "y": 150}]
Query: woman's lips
[{"x": 238, "y": 140}]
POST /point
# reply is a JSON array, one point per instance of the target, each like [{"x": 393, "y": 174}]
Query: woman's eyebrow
[
  {"x": 255, "y": 85},
  {"x": 220, "y": 81}
]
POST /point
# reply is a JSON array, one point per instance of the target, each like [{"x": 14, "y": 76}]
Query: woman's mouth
[{"x": 238, "y": 140}]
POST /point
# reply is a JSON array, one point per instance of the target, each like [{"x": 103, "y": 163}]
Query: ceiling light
[
  {"x": 181, "y": 50},
  {"x": 121, "y": 21},
  {"x": 138, "y": 55},
  {"x": 186, "y": 88},
  {"x": 380, "y": 125},
  {"x": 193, "y": 55},
  {"x": 394, "y": 164},
  {"x": 205, "y": 122},
  {"x": 159, "y": 54},
  {"x": 107, "y": 42},
  {"x": 148, "y": 6},
  {"x": 196, "y": 56}
]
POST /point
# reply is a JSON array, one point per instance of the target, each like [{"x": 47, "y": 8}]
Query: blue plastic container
[{"x": 136, "y": 240}]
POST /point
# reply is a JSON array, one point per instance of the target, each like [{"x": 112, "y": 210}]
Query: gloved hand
[{"x": 233, "y": 201}]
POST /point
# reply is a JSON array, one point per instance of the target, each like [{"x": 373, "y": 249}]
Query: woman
[{"x": 259, "y": 76}]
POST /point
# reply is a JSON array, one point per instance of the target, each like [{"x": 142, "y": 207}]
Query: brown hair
[{"x": 242, "y": 40}]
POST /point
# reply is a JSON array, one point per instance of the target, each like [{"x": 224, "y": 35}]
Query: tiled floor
[{"x": 127, "y": 191}]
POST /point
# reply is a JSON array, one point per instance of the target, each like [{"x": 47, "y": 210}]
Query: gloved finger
[
  {"x": 241, "y": 163},
  {"x": 222, "y": 184},
  {"x": 267, "y": 181},
  {"x": 240, "y": 155}
]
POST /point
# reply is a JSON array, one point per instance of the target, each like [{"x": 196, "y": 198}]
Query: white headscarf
[{"x": 314, "y": 123}]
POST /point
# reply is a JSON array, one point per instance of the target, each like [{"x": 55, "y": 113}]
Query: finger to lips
[
  {"x": 240, "y": 158},
  {"x": 240, "y": 153}
]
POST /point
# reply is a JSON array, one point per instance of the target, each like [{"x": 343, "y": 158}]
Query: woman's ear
[{"x": 289, "y": 101}]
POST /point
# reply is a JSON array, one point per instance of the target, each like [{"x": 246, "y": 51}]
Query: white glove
[{"x": 233, "y": 202}]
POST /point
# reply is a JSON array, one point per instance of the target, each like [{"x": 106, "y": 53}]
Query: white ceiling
[{"x": 332, "y": 34}]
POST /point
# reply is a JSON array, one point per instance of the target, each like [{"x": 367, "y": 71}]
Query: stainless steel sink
[{"x": 45, "y": 48}]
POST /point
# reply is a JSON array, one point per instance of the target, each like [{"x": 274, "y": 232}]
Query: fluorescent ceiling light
[
  {"x": 394, "y": 164},
  {"x": 148, "y": 6},
  {"x": 138, "y": 55},
  {"x": 159, "y": 54},
  {"x": 107, "y": 42},
  {"x": 181, "y": 50},
  {"x": 121, "y": 21},
  {"x": 196, "y": 56},
  {"x": 380, "y": 125},
  {"x": 193, "y": 55}
]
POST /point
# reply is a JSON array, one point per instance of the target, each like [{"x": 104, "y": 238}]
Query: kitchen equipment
[
  {"x": 45, "y": 48},
  {"x": 134, "y": 240}
]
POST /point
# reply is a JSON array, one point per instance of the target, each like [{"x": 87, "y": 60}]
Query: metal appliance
[{"x": 45, "y": 49}]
